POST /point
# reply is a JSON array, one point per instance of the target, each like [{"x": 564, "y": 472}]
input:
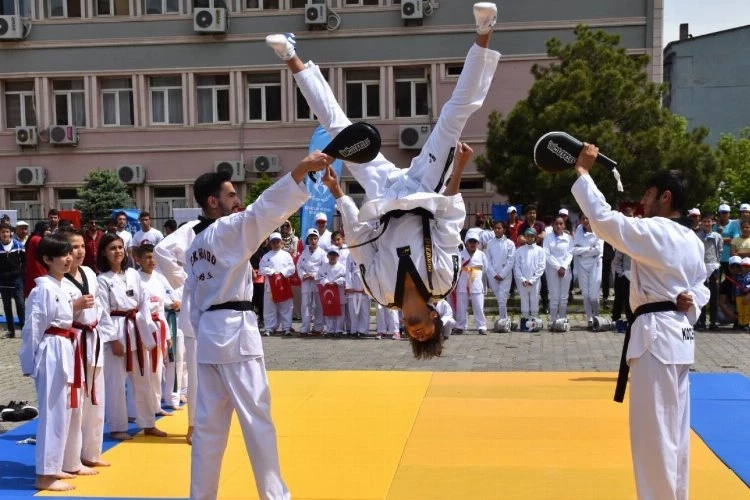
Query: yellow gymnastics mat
[{"x": 407, "y": 435}]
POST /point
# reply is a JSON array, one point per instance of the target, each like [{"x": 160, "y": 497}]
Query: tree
[
  {"x": 256, "y": 189},
  {"x": 597, "y": 92},
  {"x": 734, "y": 157},
  {"x": 102, "y": 191}
]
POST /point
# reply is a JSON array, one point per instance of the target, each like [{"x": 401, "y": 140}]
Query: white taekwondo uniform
[
  {"x": 529, "y": 264},
  {"x": 231, "y": 369},
  {"x": 500, "y": 253},
  {"x": 386, "y": 320},
  {"x": 126, "y": 294},
  {"x": 335, "y": 274},
  {"x": 324, "y": 240},
  {"x": 445, "y": 312},
  {"x": 667, "y": 259},
  {"x": 358, "y": 302},
  {"x": 471, "y": 287},
  {"x": 160, "y": 297},
  {"x": 170, "y": 259},
  {"x": 276, "y": 315},
  {"x": 588, "y": 250},
  {"x": 87, "y": 422},
  {"x": 174, "y": 368},
  {"x": 312, "y": 312},
  {"x": 49, "y": 359},
  {"x": 385, "y": 262},
  {"x": 559, "y": 254}
]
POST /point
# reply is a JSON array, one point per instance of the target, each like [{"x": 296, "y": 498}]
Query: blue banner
[
  {"x": 321, "y": 199},
  {"x": 132, "y": 225}
]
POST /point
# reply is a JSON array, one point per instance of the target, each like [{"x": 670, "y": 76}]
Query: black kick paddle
[
  {"x": 357, "y": 143},
  {"x": 557, "y": 151}
]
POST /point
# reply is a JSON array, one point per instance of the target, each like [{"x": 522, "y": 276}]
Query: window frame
[
  {"x": 68, "y": 93},
  {"x": 413, "y": 90},
  {"x": 264, "y": 103},
  {"x": 164, "y": 8},
  {"x": 363, "y": 90},
  {"x": 261, "y": 6},
  {"x": 215, "y": 88},
  {"x": 22, "y": 95},
  {"x": 118, "y": 94},
  {"x": 165, "y": 90}
]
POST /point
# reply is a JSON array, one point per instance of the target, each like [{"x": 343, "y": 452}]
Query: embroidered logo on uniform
[
  {"x": 201, "y": 254},
  {"x": 688, "y": 333},
  {"x": 130, "y": 293},
  {"x": 432, "y": 157}
]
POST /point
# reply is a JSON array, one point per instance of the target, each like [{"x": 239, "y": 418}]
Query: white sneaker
[
  {"x": 485, "y": 14},
  {"x": 283, "y": 44}
]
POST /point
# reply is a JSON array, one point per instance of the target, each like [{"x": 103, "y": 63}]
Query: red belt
[
  {"x": 159, "y": 342},
  {"x": 71, "y": 334},
  {"x": 130, "y": 316},
  {"x": 84, "y": 328}
]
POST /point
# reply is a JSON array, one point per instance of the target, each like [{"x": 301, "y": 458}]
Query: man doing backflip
[
  {"x": 666, "y": 295},
  {"x": 397, "y": 271}
]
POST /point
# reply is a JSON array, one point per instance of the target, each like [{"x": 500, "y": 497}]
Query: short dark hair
[
  {"x": 144, "y": 214},
  {"x": 54, "y": 245},
  {"x": 71, "y": 231},
  {"x": 119, "y": 214},
  {"x": 171, "y": 224},
  {"x": 504, "y": 224},
  {"x": 529, "y": 208},
  {"x": 674, "y": 182},
  {"x": 336, "y": 233},
  {"x": 5, "y": 225},
  {"x": 433, "y": 346},
  {"x": 52, "y": 211},
  {"x": 101, "y": 255},
  {"x": 65, "y": 224},
  {"x": 207, "y": 185},
  {"x": 144, "y": 249}
]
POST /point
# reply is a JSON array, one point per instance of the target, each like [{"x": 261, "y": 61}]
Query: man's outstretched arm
[{"x": 463, "y": 155}]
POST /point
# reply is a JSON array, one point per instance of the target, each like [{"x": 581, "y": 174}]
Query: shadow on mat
[
  {"x": 16, "y": 476},
  {"x": 9, "y": 436},
  {"x": 594, "y": 379}
]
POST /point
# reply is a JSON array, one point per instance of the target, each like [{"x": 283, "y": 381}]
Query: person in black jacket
[{"x": 12, "y": 261}]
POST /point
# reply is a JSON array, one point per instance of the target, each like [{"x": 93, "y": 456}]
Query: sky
[{"x": 703, "y": 16}]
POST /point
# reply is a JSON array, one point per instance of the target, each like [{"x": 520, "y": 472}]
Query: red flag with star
[
  {"x": 281, "y": 288},
  {"x": 330, "y": 299}
]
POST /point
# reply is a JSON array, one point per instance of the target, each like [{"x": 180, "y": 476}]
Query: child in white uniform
[
  {"x": 470, "y": 285},
  {"x": 588, "y": 250},
  {"x": 500, "y": 253},
  {"x": 310, "y": 260},
  {"x": 528, "y": 269},
  {"x": 333, "y": 272},
  {"x": 358, "y": 302},
  {"x": 277, "y": 315},
  {"x": 558, "y": 247}
]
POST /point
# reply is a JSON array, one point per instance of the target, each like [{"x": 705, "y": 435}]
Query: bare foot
[
  {"x": 153, "y": 431},
  {"x": 175, "y": 408},
  {"x": 85, "y": 471},
  {"x": 96, "y": 463},
  {"x": 65, "y": 475},
  {"x": 183, "y": 399},
  {"x": 51, "y": 483},
  {"x": 120, "y": 436},
  {"x": 189, "y": 435},
  {"x": 164, "y": 413}
]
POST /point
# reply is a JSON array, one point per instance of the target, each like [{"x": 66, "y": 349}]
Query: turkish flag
[
  {"x": 281, "y": 289},
  {"x": 330, "y": 299},
  {"x": 295, "y": 279}
]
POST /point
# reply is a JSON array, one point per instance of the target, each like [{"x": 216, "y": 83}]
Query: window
[
  {"x": 363, "y": 93},
  {"x": 453, "y": 70},
  {"x": 161, "y": 6},
  {"x": 303, "y": 111},
  {"x": 67, "y": 198},
  {"x": 117, "y": 101},
  {"x": 298, "y": 4},
  {"x": 471, "y": 184},
  {"x": 208, "y": 4},
  {"x": 112, "y": 7},
  {"x": 20, "y": 110},
  {"x": 27, "y": 203},
  {"x": 166, "y": 100},
  {"x": 70, "y": 102},
  {"x": 63, "y": 8},
  {"x": 213, "y": 98},
  {"x": 166, "y": 199},
  {"x": 264, "y": 97},
  {"x": 361, "y": 2},
  {"x": 8, "y": 8},
  {"x": 354, "y": 187},
  {"x": 411, "y": 92},
  {"x": 261, "y": 4}
]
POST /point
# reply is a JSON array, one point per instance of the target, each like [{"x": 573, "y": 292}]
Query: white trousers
[
  {"x": 222, "y": 390},
  {"x": 191, "y": 368},
  {"x": 590, "y": 282},
  {"x": 155, "y": 377},
  {"x": 53, "y": 396},
  {"x": 115, "y": 375},
  {"x": 360, "y": 315},
  {"x": 276, "y": 315},
  {"x": 172, "y": 386},
  {"x": 92, "y": 417},
  {"x": 386, "y": 320},
  {"x": 529, "y": 298},
  {"x": 448, "y": 326},
  {"x": 312, "y": 310},
  {"x": 502, "y": 292},
  {"x": 431, "y": 168},
  {"x": 335, "y": 324},
  {"x": 660, "y": 428},
  {"x": 558, "y": 293},
  {"x": 477, "y": 307}
]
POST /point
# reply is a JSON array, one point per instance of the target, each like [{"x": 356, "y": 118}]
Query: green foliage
[
  {"x": 256, "y": 189},
  {"x": 102, "y": 191},
  {"x": 734, "y": 159},
  {"x": 598, "y": 93}
]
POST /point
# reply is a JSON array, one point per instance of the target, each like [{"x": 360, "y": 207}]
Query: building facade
[
  {"x": 139, "y": 86},
  {"x": 709, "y": 80}
]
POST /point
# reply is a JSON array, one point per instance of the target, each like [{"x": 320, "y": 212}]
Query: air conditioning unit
[
  {"x": 411, "y": 9},
  {"x": 413, "y": 136},
  {"x": 131, "y": 174},
  {"x": 63, "y": 135},
  {"x": 266, "y": 164},
  {"x": 11, "y": 27},
  {"x": 316, "y": 13},
  {"x": 27, "y": 136},
  {"x": 211, "y": 20},
  {"x": 30, "y": 176},
  {"x": 236, "y": 168}
]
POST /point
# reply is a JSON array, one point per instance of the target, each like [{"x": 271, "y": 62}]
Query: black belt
[
  {"x": 622, "y": 375},
  {"x": 234, "y": 305}
]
